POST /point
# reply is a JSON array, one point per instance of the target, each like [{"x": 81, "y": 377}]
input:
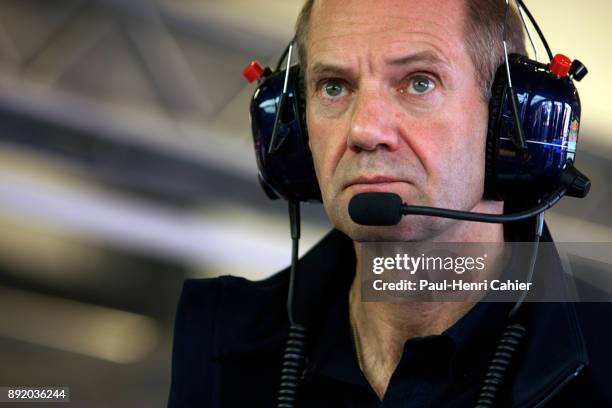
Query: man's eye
[
  {"x": 332, "y": 89},
  {"x": 420, "y": 85}
]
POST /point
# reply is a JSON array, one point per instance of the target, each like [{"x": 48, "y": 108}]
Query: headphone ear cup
[
  {"x": 549, "y": 114},
  {"x": 287, "y": 169},
  {"x": 496, "y": 101}
]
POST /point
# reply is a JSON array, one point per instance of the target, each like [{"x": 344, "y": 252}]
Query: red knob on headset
[
  {"x": 253, "y": 71},
  {"x": 560, "y": 65}
]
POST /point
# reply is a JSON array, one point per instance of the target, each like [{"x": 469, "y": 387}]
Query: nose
[{"x": 372, "y": 123}]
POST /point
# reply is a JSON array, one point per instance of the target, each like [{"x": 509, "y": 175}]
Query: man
[{"x": 397, "y": 99}]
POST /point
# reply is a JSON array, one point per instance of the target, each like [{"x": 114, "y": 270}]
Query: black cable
[
  {"x": 515, "y": 332},
  {"x": 511, "y": 340},
  {"x": 294, "y": 356},
  {"x": 537, "y": 27},
  {"x": 532, "y": 260},
  {"x": 294, "y": 220}
]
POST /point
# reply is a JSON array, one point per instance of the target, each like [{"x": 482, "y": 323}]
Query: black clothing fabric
[{"x": 230, "y": 335}]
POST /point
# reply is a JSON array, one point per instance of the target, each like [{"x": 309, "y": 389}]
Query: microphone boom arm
[
  {"x": 379, "y": 208},
  {"x": 483, "y": 217}
]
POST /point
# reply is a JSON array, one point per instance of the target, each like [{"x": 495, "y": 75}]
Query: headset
[
  {"x": 534, "y": 120},
  {"x": 532, "y": 135}
]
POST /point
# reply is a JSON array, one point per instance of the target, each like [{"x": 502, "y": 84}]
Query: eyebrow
[
  {"x": 428, "y": 57},
  {"x": 422, "y": 56},
  {"x": 319, "y": 69}
]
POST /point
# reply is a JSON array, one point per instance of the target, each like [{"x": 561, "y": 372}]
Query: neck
[{"x": 381, "y": 329}]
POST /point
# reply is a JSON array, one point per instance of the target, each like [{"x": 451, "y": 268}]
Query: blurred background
[{"x": 126, "y": 166}]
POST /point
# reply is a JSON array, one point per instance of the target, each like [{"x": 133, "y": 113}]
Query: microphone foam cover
[{"x": 375, "y": 208}]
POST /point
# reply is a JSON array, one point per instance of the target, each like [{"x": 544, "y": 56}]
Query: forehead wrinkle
[
  {"x": 313, "y": 41},
  {"x": 420, "y": 45},
  {"x": 328, "y": 43},
  {"x": 368, "y": 19},
  {"x": 331, "y": 25},
  {"x": 414, "y": 25}
]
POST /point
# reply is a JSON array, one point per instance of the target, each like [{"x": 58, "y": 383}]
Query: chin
[
  {"x": 411, "y": 228},
  {"x": 360, "y": 233}
]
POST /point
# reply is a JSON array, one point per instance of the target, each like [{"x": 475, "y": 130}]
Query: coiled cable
[
  {"x": 501, "y": 364},
  {"x": 294, "y": 357},
  {"x": 498, "y": 371},
  {"x": 293, "y": 364}
]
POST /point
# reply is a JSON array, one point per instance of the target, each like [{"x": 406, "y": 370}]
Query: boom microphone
[
  {"x": 379, "y": 208},
  {"x": 376, "y": 208}
]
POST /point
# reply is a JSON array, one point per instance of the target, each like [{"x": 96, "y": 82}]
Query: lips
[
  {"x": 375, "y": 183},
  {"x": 373, "y": 180}
]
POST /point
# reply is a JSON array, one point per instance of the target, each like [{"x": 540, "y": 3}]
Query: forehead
[{"x": 368, "y": 28}]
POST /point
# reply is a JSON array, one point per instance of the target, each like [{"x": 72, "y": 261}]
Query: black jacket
[{"x": 230, "y": 334}]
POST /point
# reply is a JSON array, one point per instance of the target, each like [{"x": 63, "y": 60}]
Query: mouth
[{"x": 374, "y": 183}]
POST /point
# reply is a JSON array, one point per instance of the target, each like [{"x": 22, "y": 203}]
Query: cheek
[
  {"x": 450, "y": 144},
  {"x": 465, "y": 149},
  {"x": 471, "y": 138},
  {"x": 432, "y": 139}
]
